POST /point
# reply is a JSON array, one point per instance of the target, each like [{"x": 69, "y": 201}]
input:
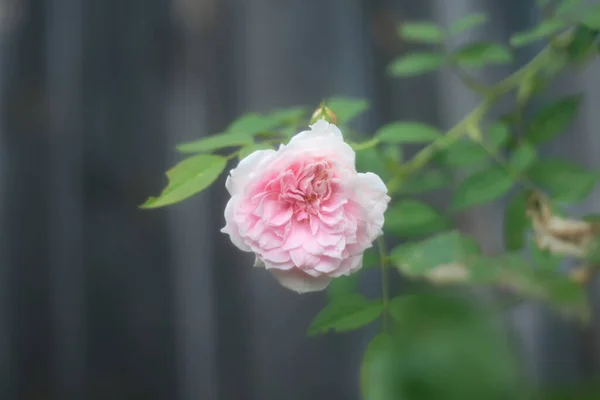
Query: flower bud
[{"x": 323, "y": 112}]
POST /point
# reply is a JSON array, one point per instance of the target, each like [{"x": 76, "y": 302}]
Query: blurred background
[{"x": 101, "y": 300}]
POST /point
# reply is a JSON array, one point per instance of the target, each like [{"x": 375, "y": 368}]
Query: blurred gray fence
[{"x": 100, "y": 300}]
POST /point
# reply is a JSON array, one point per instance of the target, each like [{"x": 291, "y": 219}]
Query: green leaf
[
  {"x": 407, "y": 132},
  {"x": 421, "y": 259},
  {"x": 252, "y": 123},
  {"x": 497, "y": 135},
  {"x": 516, "y": 222},
  {"x": 371, "y": 259},
  {"x": 523, "y": 157},
  {"x": 447, "y": 349},
  {"x": 375, "y": 368},
  {"x": 423, "y": 31},
  {"x": 462, "y": 153},
  {"x": 543, "y": 30},
  {"x": 392, "y": 157},
  {"x": 364, "y": 145},
  {"x": 343, "y": 286},
  {"x": 583, "y": 43},
  {"x": 187, "y": 178},
  {"x": 566, "y": 6},
  {"x": 583, "y": 391},
  {"x": 289, "y": 115},
  {"x": 415, "y": 64},
  {"x": 482, "y": 187},
  {"x": 553, "y": 119},
  {"x": 216, "y": 142},
  {"x": 545, "y": 259},
  {"x": 345, "y": 314},
  {"x": 370, "y": 160},
  {"x": 592, "y": 218},
  {"x": 565, "y": 181},
  {"x": 426, "y": 181},
  {"x": 346, "y": 108},
  {"x": 592, "y": 18},
  {"x": 467, "y": 23},
  {"x": 247, "y": 150},
  {"x": 516, "y": 273},
  {"x": 412, "y": 217},
  {"x": 481, "y": 53}
]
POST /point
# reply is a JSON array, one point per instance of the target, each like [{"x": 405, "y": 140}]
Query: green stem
[{"x": 385, "y": 283}]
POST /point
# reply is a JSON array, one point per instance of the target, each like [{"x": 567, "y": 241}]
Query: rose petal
[
  {"x": 304, "y": 210},
  {"x": 300, "y": 282}
]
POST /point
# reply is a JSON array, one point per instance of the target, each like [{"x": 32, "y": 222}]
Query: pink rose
[{"x": 303, "y": 210}]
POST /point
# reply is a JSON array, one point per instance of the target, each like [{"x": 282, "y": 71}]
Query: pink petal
[
  {"x": 348, "y": 266},
  {"x": 328, "y": 265},
  {"x": 313, "y": 247},
  {"x": 333, "y": 203},
  {"x": 298, "y": 234},
  {"x": 325, "y": 238},
  {"x": 275, "y": 256},
  {"x": 303, "y": 259}
]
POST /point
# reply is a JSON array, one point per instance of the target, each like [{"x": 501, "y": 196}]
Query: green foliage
[
  {"x": 573, "y": 392},
  {"x": 553, "y": 119},
  {"x": 451, "y": 258},
  {"x": 469, "y": 152},
  {"x": 416, "y": 63},
  {"x": 443, "y": 348},
  {"x": 364, "y": 145},
  {"x": 252, "y": 123},
  {"x": 425, "y": 181},
  {"x": 467, "y": 23},
  {"x": 592, "y": 19},
  {"x": 412, "y": 217},
  {"x": 343, "y": 286},
  {"x": 462, "y": 153},
  {"x": 187, "y": 178},
  {"x": 565, "y": 181},
  {"x": 517, "y": 273},
  {"x": 216, "y": 142},
  {"x": 516, "y": 222},
  {"x": 251, "y": 148},
  {"x": 445, "y": 249},
  {"x": 582, "y": 44},
  {"x": 346, "y": 313},
  {"x": 523, "y": 157},
  {"x": 376, "y": 381},
  {"x": 497, "y": 136},
  {"x": 347, "y": 108},
  {"x": 370, "y": 160},
  {"x": 544, "y": 259},
  {"x": 407, "y": 132},
  {"x": 482, "y": 187},
  {"x": 436, "y": 347},
  {"x": 541, "y": 31},
  {"x": 423, "y": 31},
  {"x": 480, "y": 54}
]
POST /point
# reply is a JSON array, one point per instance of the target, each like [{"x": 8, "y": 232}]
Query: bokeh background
[{"x": 101, "y": 300}]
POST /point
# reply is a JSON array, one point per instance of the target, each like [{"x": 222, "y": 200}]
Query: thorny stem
[{"x": 385, "y": 283}]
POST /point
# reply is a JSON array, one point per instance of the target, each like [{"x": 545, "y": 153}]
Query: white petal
[
  {"x": 231, "y": 227},
  {"x": 300, "y": 282}
]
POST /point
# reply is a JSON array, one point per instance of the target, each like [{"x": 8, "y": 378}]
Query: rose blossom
[{"x": 303, "y": 210}]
